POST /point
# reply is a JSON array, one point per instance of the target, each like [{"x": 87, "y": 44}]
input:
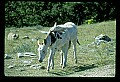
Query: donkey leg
[
  {"x": 74, "y": 52},
  {"x": 52, "y": 62},
  {"x": 64, "y": 60},
  {"x": 49, "y": 59},
  {"x": 65, "y": 50},
  {"x": 61, "y": 53}
]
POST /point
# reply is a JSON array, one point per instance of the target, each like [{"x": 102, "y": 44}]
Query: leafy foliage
[{"x": 31, "y": 13}]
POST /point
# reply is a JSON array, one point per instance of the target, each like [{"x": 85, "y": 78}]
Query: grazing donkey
[{"x": 59, "y": 37}]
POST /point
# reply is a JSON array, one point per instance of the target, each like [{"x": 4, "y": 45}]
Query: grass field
[{"x": 89, "y": 57}]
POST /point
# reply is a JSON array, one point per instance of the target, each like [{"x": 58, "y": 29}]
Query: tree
[{"x": 31, "y": 13}]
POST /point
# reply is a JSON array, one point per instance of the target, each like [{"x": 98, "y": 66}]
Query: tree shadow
[{"x": 72, "y": 69}]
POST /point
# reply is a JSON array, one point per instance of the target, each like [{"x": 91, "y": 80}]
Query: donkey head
[{"x": 42, "y": 50}]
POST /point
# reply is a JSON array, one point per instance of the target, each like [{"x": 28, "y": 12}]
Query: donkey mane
[{"x": 54, "y": 36}]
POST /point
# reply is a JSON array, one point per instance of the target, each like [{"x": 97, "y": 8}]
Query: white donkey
[{"x": 59, "y": 37}]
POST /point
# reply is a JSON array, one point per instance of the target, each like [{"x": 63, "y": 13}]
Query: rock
[
  {"x": 26, "y": 54},
  {"x": 37, "y": 66},
  {"x": 25, "y": 37},
  {"x": 11, "y": 66},
  {"x": 101, "y": 38},
  {"x": 12, "y": 36},
  {"x": 33, "y": 39},
  {"x": 22, "y": 70},
  {"x": 26, "y": 62},
  {"x": 7, "y": 56},
  {"x": 29, "y": 54},
  {"x": 20, "y": 55}
]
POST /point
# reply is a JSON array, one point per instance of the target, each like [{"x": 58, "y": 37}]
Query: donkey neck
[{"x": 51, "y": 38}]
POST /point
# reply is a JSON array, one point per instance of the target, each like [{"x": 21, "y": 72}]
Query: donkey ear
[
  {"x": 38, "y": 42},
  {"x": 55, "y": 24},
  {"x": 45, "y": 42}
]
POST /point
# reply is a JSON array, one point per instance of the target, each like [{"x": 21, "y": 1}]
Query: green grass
[{"x": 88, "y": 56}]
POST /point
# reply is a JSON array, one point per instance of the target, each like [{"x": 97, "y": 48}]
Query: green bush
[{"x": 31, "y": 13}]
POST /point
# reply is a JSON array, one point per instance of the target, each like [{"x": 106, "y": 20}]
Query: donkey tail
[{"x": 78, "y": 42}]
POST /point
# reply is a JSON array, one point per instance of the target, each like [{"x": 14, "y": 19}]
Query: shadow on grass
[
  {"x": 83, "y": 68},
  {"x": 61, "y": 73},
  {"x": 73, "y": 69}
]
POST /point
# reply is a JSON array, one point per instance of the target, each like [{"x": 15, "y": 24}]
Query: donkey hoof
[
  {"x": 52, "y": 67},
  {"x": 61, "y": 64},
  {"x": 47, "y": 70},
  {"x": 76, "y": 61},
  {"x": 63, "y": 67}
]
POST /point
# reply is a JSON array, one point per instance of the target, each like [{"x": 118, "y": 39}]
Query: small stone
[
  {"x": 20, "y": 55},
  {"x": 27, "y": 62},
  {"x": 29, "y": 54},
  {"x": 11, "y": 66},
  {"x": 7, "y": 56}
]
